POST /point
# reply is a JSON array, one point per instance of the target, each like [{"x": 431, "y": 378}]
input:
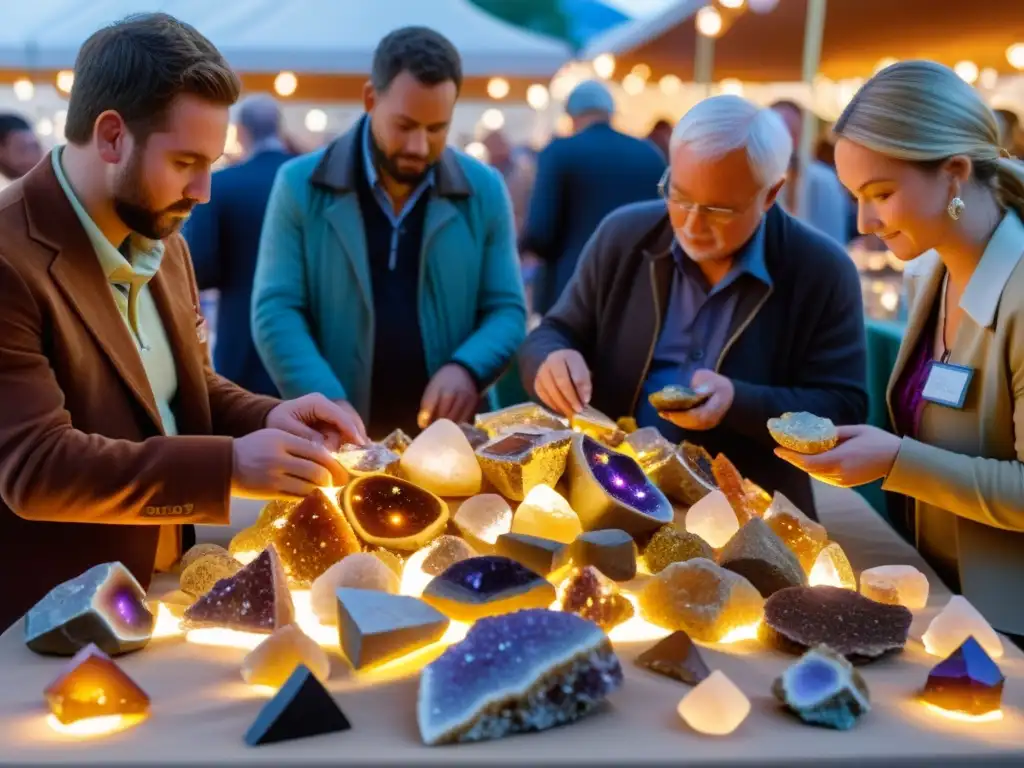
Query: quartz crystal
[
  {"x": 804, "y": 432},
  {"x": 198, "y": 551},
  {"x": 954, "y": 624},
  {"x": 256, "y": 599},
  {"x": 670, "y": 545},
  {"x": 247, "y": 544},
  {"x": 105, "y": 605},
  {"x": 474, "y": 435},
  {"x": 375, "y": 627},
  {"x": 677, "y": 657},
  {"x": 822, "y": 688},
  {"x": 312, "y": 537},
  {"x": 542, "y": 556},
  {"x": 397, "y": 441},
  {"x": 443, "y": 552},
  {"x": 515, "y": 416},
  {"x": 274, "y": 510},
  {"x": 758, "y": 499},
  {"x": 517, "y": 462},
  {"x": 968, "y": 682},
  {"x": 713, "y": 519},
  {"x": 587, "y": 593},
  {"x": 361, "y": 570},
  {"x": 702, "y": 599},
  {"x": 681, "y": 477},
  {"x": 895, "y": 585},
  {"x": 802, "y": 535},
  {"x": 93, "y": 685},
  {"x": 593, "y": 423},
  {"x": 526, "y": 671},
  {"x": 487, "y": 586},
  {"x": 648, "y": 447},
  {"x": 799, "y": 618},
  {"x": 730, "y": 482},
  {"x": 394, "y": 513},
  {"x": 608, "y": 489},
  {"x": 202, "y": 573},
  {"x": 832, "y": 569},
  {"x": 546, "y": 514},
  {"x": 302, "y": 707},
  {"x": 758, "y": 555},
  {"x": 274, "y": 660},
  {"x": 361, "y": 460},
  {"x": 442, "y": 461},
  {"x": 612, "y": 552},
  {"x": 677, "y": 398},
  {"x": 484, "y": 518},
  {"x": 715, "y": 707}
]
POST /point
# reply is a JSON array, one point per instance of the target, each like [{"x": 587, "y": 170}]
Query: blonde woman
[{"x": 920, "y": 150}]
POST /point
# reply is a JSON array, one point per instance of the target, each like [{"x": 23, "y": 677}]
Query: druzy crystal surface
[
  {"x": 545, "y": 513},
  {"x": 957, "y": 621},
  {"x": 201, "y": 574},
  {"x": 363, "y": 570},
  {"x": 968, "y": 682},
  {"x": 804, "y": 432},
  {"x": 487, "y": 586},
  {"x": 484, "y": 518},
  {"x": 542, "y": 556},
  {"x": 375, "y": 627},
  {"x": 609, "y": 489},
  {"x": 394, "y": 513},
  {"x": 713, "y": 519},
  {"x": 198, "y": 551},
  {"x": 896, "y": 585},
  {"x": 730, "y": 482},
  {"x": 802, "y": 535},
  {"x": 822, "y": 688},
  {"x": 93, "y": 685},
  {"x": 517, "y": 462},
  {"x": 758, "y": 499},
  {"x": 445, "y": 551},
  {"x": 677, "y": 657},
  {"x": 758, "y": 555},
  {"x": 588, "y": 593},
  {"x": 256, "y": 599},
  {"x": 610, "y": 551},
  {"x": 105, "y": 605},
  {"x": 442, "y": 461},
  {"x": 670, "y": 545},
  {"x": 677, "y": 398},
  {"x": 312, "y": 537},
  {"x": 799, "y": 618},
  {"x": 516, "y": 416},
  {"x": 361, "y": 460},
  {"x": 274, "y": 660},
  {"x": 521, "y": 672}
]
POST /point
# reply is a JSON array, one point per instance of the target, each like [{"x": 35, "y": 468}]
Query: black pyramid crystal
[{"x": 302, "y": 707}]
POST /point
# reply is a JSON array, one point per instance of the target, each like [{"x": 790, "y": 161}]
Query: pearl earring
[{"x": 955, "y": 208}]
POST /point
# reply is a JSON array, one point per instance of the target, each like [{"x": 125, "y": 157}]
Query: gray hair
[
  {"x": 260, "y": 116},
  {"x": 723, "y": 124}
]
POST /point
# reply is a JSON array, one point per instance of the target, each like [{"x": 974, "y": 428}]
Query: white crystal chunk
[
  {"x": 441, "y": 460},
  {"x": 715, "y": 706},
  {"x": 545, "y": 513},
  {"x": 954, "y": 624},
  {"x": 896, "y": 585},
  {"x": 712, "y": 518},
  {"x": 361, "y": 570},
  {"x": 484, "y": 517}
]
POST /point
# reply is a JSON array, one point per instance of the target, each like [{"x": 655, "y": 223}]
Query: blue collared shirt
[{"x": 697, "y": 322}]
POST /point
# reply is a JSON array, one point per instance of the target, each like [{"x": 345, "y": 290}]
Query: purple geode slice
[
  {"x": 521, "y": 672},
  {"x": 487, "y": 586}
]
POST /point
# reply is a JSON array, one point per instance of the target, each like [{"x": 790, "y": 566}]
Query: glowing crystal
[
  {"x": 670, "y": 545},
  {"x": 968, "y": 682},
  {"x": 516, "y": 463},
  {"x": 702, "y": 599},
  {"x": 105, "y": 605},
  {"x": 713, "y": 519},
  {"x": 394, "y": 513},
  {"x": 202, "y": 573},
  {"x": 487, "y": 586},
  {"x": 677, "y": 657},
  {"x": 545, "y": 668},
  {"x": 715, "y": 707},
  {"x": 802, "y": 535},
  {"x": 832, "y": 569},
  {"x": 804, "y": 432},
  {"x": 360, "y": 460},
  {"x": 301, "y": 708},
  {"x": 593, "y": 423},
  {"x": 895, "y": 585},
  {"x": 274, "y": 660},
  {"x": 758, "y": 499},
  {"x": 198, "y": 551},
  {"x": 685, "y": 475},
  {"x": 515, "y": 416},
  {"x": 442, "y": 461},
  {"x": 93, "y": 685},
  {"x": 542, "y": 556},
  {"x": 730, "y": 482},
  {"x": 484, "y": 518},
  {"x": 274, "y": 510},
  {"x": 587, "y": 593},
  {"x": 954, "y": 624},
  {"x": 822, "y": 688},
  {"x": 445, "y": 551},
  {"x": 648, "y": 446},
  {"x": 375, "y": 627},
  {"x": 546, "y": 514},
  {"x": 247, "y": 544},
  {"x": 612, "y": 552},
  {"x": 758, "y": 555},
  {"x": 312, "y": 537},
  {"x": 362, "y": 570}
]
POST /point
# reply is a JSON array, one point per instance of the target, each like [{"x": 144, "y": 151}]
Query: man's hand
[
  {"x": 317, "y": 419},
  {"x": 710, "y": 414},
  {"x": 451, "y": 394},
  {"x": 563, "y": 382},
  {"x": 274, "y": 464}
]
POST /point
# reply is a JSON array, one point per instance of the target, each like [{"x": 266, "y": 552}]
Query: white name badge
[{"x": 947, "y": 384}]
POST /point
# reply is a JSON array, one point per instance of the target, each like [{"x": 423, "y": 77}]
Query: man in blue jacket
[{"x": 388, "y": 276}]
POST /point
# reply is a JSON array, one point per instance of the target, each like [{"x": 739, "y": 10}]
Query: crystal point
[
  {"x": 301, "y": 708},
  {"x": 676, "y": 656},
  {"x": 895, "y": 584},
  {"x": 968, "y": 682},
  {"x": 93, "y": 685},
  {"x": 804, "y": 537},
  {"x": 954, "y": 624},
  {"x": 713, "y": 519},
  {"x": 730, "y": 481},
  {"x": 822, "y": 688},
  {"x": 715, "y": 707},
  {"x": 487, "y": 586},
  {"x": 442, "y": 461},
  {"x": 394, "y": 513},
  {"x": 832, "y": 569},
  {"x": 363, "y": 570},
  {"x": 274, "y": 660},
  {"x": 312, "y": 537}
]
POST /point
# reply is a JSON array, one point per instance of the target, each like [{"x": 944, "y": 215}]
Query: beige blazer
[{"x": 970, "y": 462}]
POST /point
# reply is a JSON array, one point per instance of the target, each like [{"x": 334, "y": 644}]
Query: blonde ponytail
[{"x": 1010, "y": 184}]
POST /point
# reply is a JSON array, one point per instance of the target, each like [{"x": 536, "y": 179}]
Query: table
[{"x": 201, "y": 708}]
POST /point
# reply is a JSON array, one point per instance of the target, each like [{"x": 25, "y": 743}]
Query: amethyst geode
[
  {"x": 487, "y": 586},
  {"x": 525, "y": 671}
]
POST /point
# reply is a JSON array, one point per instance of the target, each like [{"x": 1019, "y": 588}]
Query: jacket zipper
[
  {"x": 654, "y": 341},
  {"x": 742, "y": 328}
]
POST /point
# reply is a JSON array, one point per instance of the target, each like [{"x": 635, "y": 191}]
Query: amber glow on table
[
  {"x": 824, "y": 574},
  {"x": 166, "y": 624},
  {"x": 94, "y": 727},
  {"x": 989, "y": 717},
  {"x": 741, "y": 634}
]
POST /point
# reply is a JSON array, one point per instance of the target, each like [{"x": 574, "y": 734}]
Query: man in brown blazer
[{"x": 116, "y": 436}]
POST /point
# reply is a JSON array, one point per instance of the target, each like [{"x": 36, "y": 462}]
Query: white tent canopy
[{"x": 304, "y": 36}]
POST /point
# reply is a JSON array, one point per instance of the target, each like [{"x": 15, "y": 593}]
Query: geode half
[{"x": 822, "y": 688}]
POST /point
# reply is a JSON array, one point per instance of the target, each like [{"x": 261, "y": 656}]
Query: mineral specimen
[
  {"x": 822, "y": 688},
  {"x": 375, "y": 627},
  {"x": 799, "y": 618},
  {"x": 247, "y": 544},
  {"x": 587, "y": 593},
  {"x": 93, "y": 685},
  {"x": 442, "y": 461},
  {"x": 104, "y": 605},
  {"x": 474, "y": 435},
  {"x": 611, "y": 551},
  {"x": 487, "y": 586},
  {"x": 677, "y": 657},
  {"x": 517, "y": 462},
  {"x": 484, "y": 518},
  {"x": 202, "y": 573},
  {"x": 361, "y": 570},
  {"x": 832, "y": 569},
  {"x": 302, "y": 707},
  {"x": 758, "y": 499},
  {"x": 542, "y": 556},
  {"x": 546, "y": 514},
  {"x": 670, "y": 545},
  {"x": 312, "y": 537},
  {"x": 702, "y": 599},
  {"x": 360, "y": 460},
  {"x": 677, "y": 398},
  {"x": 713, "y": 519},
  {"x": 445, "y": 551},
  {"x": 682, "y": 475},
  {"x": 608, "y": 489},
  {"x": 394, "y": 513},
  {"x": 593, "y": 423},
  {"x": 648, "y": 446},
  {"x": 758, "y": 555},
  {"x": 896, "y": 585},
  {"x": 273, "y": 510},
  {"x": 198, "y": 551},
  {"x": 802, "y": 535},
  {"x": 968, "y": 682},
  {"x": 954, "y": 624},
  {"x": 804, "y": 432},
  {"x": 730, "y": 482},
  {"x": 515, "y": 416},
  {"x": 527, "y": 671},
  {"x": 256, "y": 599},
  {"x": 715, "y": 707},
  {"x": 397, "y": 441},
  {"x": 274, "y": 660},
  {"x": 390, "y": 559}
]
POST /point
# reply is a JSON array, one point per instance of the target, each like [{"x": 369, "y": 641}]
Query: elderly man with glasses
[{"x": 717, "y": 288}]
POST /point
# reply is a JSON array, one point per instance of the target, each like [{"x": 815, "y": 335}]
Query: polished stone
[
  {"x": 677, "y": 657},
  {"x": 487, "y": 586},
  {"x": 394, "y": 513},
  {"x": 715, "y": 707},
  {"x": 484, "y": 518},
  {"x": 546, "y": 514},
  {"x": 968, "y": 682},
  {"x": 822, "y": 688},
  {"x": 301, "y": 708},
  {"x": 442, "y": 461},
  {"x": 610, "y": 551},
  {"x": 375, "y": 627},
  {"x": 92, "y": 684},
  {"x": 542, "y": 556}
]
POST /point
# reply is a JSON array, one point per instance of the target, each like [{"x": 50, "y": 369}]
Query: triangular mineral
[
  {"x": 312, "y": 537},
  {"x": 375, "y": 627},
  {"x": 93, "y": 685},
  {"x": 256, "y": 599},
  {"x": 301, "y": 708},
  {"x": 676, "y": 656}
]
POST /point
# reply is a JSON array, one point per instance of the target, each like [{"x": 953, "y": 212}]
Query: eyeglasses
[{"x": 715, "y": 214}]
